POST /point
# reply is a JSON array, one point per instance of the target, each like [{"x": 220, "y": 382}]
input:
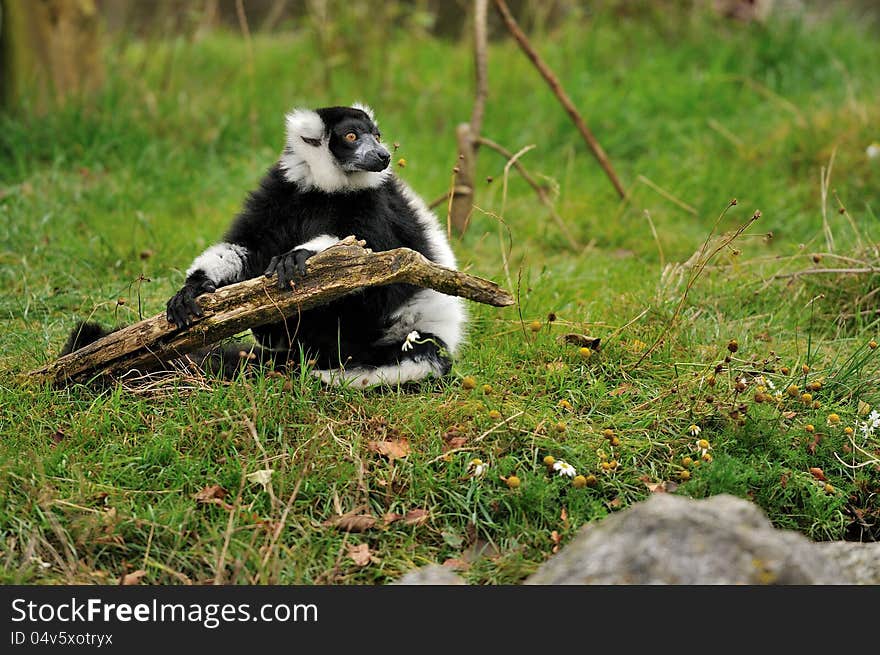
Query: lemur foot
[{"x": 288, "y": 266}]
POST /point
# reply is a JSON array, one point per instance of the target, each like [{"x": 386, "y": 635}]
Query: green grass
[{"x": 138, "y": 179}]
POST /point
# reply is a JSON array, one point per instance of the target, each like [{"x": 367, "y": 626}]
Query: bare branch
[{"x": 560, "y": 93}]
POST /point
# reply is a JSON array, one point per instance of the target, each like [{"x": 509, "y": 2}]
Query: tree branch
[
  {"x": 560, "y": 93},
  {"x": 336, "y": 272}
]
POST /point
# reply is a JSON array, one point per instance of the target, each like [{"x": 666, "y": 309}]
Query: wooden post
[{"x": 463, "y": 190}]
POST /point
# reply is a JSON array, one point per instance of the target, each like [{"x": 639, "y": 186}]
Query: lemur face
[{"x": 354, "y": 140}]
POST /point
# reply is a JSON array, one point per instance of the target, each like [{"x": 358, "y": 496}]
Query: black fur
[{"x": 82, "y": 335}]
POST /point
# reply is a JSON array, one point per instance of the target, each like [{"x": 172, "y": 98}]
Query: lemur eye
[
  {"x": 378, "y": 137},
  {"x": 351, "y": 136}
]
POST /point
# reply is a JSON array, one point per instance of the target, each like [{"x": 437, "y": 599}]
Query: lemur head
[{"x": 334, "y": 149}]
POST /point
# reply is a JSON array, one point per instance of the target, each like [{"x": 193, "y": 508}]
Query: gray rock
[
  {"x": 676, "y": 540},
  {"x": 860, "y": 562},
  {"x": 433, "y": 574}
]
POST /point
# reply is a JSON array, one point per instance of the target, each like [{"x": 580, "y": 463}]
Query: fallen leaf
[
  {"x": 351, "y": 522},
  {"x": 453, "y": 443},
  {"x": 864, "y": 408},
  {"x": 615, "y": 502},
  {"x": 214, "y": 491},
  {"x": 263, "y": 477},
  {"x": 662, "y": 487},
  {"x": 456, "y": 564},
  {"x": 555, "y": 538},
  {"x": 58, "y": 437},
  {"x": 789, "y": 415},
  {"x": 133, "y": 578},
  {"x": 361, "y": 554},
  {"x": 580, "y": 340},
  {"x": 390, "y": 449},
  {"x": 626, "y": 387},
  {"x": 214, "y": 495},
  {"x": 818, "y": 473},
  {"x": 811, "y": 447},
  {"x": 390, "y": 517},
  {"x": 783, "y": 480},
  {"x": 415, "y": 517}
]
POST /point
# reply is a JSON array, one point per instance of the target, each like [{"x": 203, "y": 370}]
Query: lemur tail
[{"x": 82, "y": 335}]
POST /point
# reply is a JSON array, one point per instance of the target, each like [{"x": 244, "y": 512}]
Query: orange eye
[{"x": 351, "y": 136}]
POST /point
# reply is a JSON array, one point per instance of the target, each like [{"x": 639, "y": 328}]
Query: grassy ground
[{"x": 137, "y": 180}]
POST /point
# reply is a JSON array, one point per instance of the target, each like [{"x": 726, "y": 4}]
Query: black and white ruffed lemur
[{"x": 332, "y": 180}]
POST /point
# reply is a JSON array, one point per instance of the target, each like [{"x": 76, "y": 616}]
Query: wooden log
[{"x": 342, "y": 269}]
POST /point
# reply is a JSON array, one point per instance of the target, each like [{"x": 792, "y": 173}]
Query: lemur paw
[
  {"x": 182, "y": 309},
  {"x": 288, "y": 265}
]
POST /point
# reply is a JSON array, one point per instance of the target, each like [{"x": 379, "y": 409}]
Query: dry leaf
[
  {"x": 818, "y": 473},
  {"x": 390, "y": 449},
  {"x": 415, "y": 517},
  {"x": 580, "y": 340},
  {"x": 665, "y": 486},
  {"x": 351, "y": 522},
  {"x": 390, "y": 517},
  {"x": 214, "y": 491},
  {"x": 456, "y": 564},
  {"x": 214, "y": 495},
  {"x": 789, "y": 415},
  {"x": 133, "y": 578},
  {"x": 453, "y": 443},
  {"x": 555, "y": 538},
  {"x": 626, "y": 387},
  {"x": 361, "y": 554},
  {"x": 864, "y": 408},
  {"x": 263, "y": 477}
]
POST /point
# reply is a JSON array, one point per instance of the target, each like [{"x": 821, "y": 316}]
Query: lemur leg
[{"x": 392, "y": 364}]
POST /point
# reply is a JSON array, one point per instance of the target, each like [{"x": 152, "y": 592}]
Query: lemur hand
[
  {"x": 286, "y": 266},
  {"x": 183, "y": 308}
]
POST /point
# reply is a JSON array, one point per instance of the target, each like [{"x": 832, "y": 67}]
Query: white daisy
[
  {"x": 477, "y": 467},
  {"x": 564, "y": 468},
  {"x": 695, "y": 430},
  {"x": 411, "y": 338}
]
